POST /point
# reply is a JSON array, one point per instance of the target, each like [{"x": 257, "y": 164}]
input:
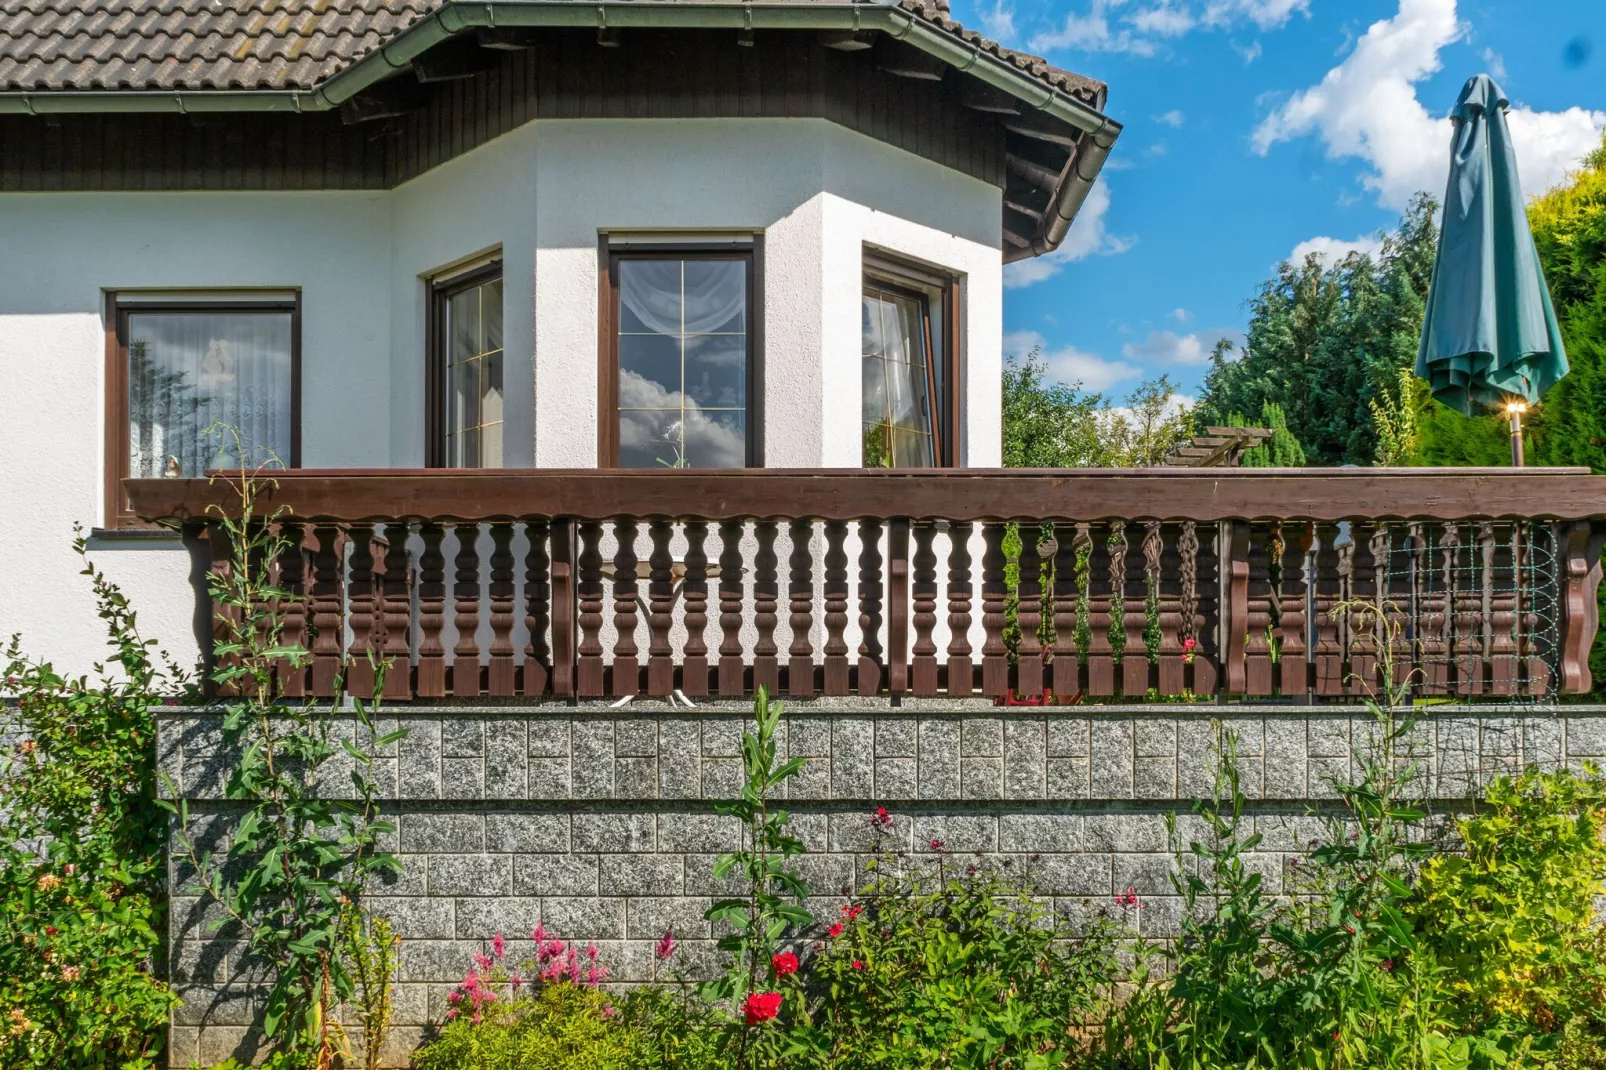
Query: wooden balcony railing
[{"x": 586, "y": 584}]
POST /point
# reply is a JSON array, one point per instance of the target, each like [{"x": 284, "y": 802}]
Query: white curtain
[
  {"x": 189, "y": 371},
  {"x": 714, "y": 293}
]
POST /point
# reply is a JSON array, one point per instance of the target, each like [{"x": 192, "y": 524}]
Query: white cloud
[
  {"x": 1168, "y": 347},
  {"x": 1092, "y": 32},
  {"x": 1367, "y": 108},
  {"x": 1181, "y": 315},
  {"x": 1069, "y": 364},
  {"x": 1249, "y": 52},
  {"x": 1496, "y": 64},
  {"x": 1173, "y": 118},
  {"x": 1331, "y": 250},
  {"x": 1089, "y": 235},
  {"x": 998, "y": 21},
  {"x": 1266, "y": 14},
  {"x": 1164, "y": 20}
]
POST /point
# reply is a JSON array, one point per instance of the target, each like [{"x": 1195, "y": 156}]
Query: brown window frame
[
  {"x": 118, "y": 517},
  {"x": 438, "y": 291},
  {"x": 946, "y": 394},
  {"x": 609, "y": 255}
]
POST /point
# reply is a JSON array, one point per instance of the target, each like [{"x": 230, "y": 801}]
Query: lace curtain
[{"x": 189, "y": 371}]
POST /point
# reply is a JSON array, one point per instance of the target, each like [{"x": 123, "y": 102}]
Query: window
[
  {"x": 465, "y": 394},
  {"x": 677, "y": 375},
  {"x": 911, "y": 395},
  {"x": 185, "y": 374}
]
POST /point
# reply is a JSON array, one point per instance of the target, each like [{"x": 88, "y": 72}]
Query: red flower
[
  {"x": 1129, "y": 898},
  {"x": 666, "y": 946},
  {"x": 936, "y": 844},
  {"x": 858, "y": 964},
  {"x": 881, "y": 819},
  {"x": 761, "y": 1007},
  {"x": 834, "y": 931},
  {"x": 851, "y": 912},
  {"x": 784, "y": 963},
  {"x": 1387, "y": 965}
]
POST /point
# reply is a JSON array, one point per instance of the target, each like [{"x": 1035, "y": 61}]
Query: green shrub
[
  {"x": 81, "y": 843},
  {"x": 563, "y": 1026},
  {"x": 954, "y": 964}
]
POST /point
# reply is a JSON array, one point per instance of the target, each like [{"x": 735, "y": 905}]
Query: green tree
[
  {"x": 1324, "y": 340},
  {"x": 1050, "y": 424},
  {"x": 1282, "y": 450}
]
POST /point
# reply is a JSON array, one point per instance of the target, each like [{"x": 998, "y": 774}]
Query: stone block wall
[{"x": 597, "y": 821}]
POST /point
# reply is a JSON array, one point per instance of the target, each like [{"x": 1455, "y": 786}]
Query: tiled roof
[{"x": 189, "y": 45}]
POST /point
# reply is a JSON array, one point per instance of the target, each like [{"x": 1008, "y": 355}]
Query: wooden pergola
[{"x": 1218, "y": 447}]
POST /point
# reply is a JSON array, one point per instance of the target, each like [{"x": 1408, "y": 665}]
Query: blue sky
[{"x": 1255, "y": 128}]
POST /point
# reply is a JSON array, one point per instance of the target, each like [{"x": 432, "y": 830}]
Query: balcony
[{"x": 1095, "y": 585}]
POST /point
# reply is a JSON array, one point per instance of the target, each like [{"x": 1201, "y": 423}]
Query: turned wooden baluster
[
  {"x": 590, "y": 677},
  {"x": 537, "y": 670},
  {"x": 225, "y": 618},
  {"x": 766, "y": 594},
  {"x": 431, "y": 612},
  {"x": 1468, "y": 644},
  {"x": 870, "y": 589},
  {"x": 1395, "y": 580},
  {"x": 923, "y": 677},
  {"x": 1435, "y": 568},
  {"x": 1329, "y": 593},
  {"x": 1029, "y": 612},
  {"x": 1503, "y": 610},
  {"x": 466, "y": 616},
  {"x": 1530, "y": 538},
  {"x": 1293, "y": 658},
  {"x": 502, "y": 677},
  {"x": 362, "y": 601},
  {"x": 731, "y": 669},
  {"x": 1257, "y": 645},
  {"x": 328, "y": 626},
  {"x": 800, "y": 595},
  {"x": 1066, "y": 666},
  {"x": 660, "y": 609},
  {"x": 897, "y": 606},
  {"x": 1166, "y": 562},
  {"x": 626, "y": 676},
  {"x": 1135, "y": 615},
  {"x": 1102, "y": 587},
  {"x": 565, "y": 608},
  {"x": 1362, "y": 630},
  {"x": 961, "y": 670},
  {"x": 694, "y": 590},
  {"x": 835, "y": 676},
  {"x": 994, "y": 654},
  {"x": 396, "y": 614},
  {"x": 293, "y": 610},
  {"x": 1207, "y": 619}
]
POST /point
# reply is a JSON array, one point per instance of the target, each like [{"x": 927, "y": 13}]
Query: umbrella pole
[{"x": 1516, "y": 438}]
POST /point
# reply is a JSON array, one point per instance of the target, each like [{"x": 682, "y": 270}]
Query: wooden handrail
[{"x": 1328, "y": 494}]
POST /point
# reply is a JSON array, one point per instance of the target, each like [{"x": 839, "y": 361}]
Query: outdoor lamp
[{"x": 1515, "y": 407}]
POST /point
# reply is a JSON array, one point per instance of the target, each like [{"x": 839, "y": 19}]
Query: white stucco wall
[{"x": 542, "y": 194}]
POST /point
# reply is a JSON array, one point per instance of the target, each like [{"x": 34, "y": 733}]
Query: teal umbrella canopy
[{"x": 1490, "y": 334}]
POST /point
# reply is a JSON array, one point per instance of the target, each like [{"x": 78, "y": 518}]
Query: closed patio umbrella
[{"x": 1490, "y": 337}]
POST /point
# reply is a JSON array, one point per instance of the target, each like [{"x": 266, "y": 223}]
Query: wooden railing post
[
  {"x": 564, "y": 609},
  {"x": 835, "y": 675},
  {"x": 994, "y": 655},
  {"x": 961, "y": 671},
  {"x": 800, "y": 615},
  {"x": 431, "y": 611},
  {"x": 1029, "y": 613},
  {"x": 923, "y": 667},
  {"x": 538, "y": 589},
  {"x": 898, "y": 605},
  {"x": 694, "y": 668},
  {"x": 1235, "y": 605},
  {"x": 501, "y": 679},
  {"x": 396, "y": 614}
]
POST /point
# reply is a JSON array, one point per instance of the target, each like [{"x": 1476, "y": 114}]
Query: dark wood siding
[{"x": 653, "y": 74}]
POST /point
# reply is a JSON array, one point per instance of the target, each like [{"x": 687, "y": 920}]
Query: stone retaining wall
[{"x": 597, "y": 821}]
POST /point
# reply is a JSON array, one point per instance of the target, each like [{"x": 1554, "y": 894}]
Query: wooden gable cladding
[{"x": 652, "y": 74}]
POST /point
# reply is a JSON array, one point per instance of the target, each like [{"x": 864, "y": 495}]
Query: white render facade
[{"x": 542, "y": 196}]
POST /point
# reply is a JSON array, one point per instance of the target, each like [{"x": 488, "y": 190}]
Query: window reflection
[{"x": 897, "y": 413}]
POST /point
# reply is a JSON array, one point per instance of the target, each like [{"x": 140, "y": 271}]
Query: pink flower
[
  {"x": 498, "y": 946},
  {"x": 761, "y": 1007},
  {"x": 858, "y": 964},
  {"x": 881, "y": 819},
  {"x": 539, "y": 936},
  {"x": 784, "y": 963},
  {"x": 515, "y": 982},
  {"x": 1129, "y": 898},
  {"x": 451, "y": 1014},
  {"x": 666, "y": 946},
  {"x": 936, "y": 844},
  {"x": 591, "y": 951},
  {"x": 609, "y": 1011}
]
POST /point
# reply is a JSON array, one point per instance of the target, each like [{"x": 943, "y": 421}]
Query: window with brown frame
[
  {"x": 911, "y": 371},
  {"x": 199, "y": 382},
  {"x": 678, "y": 371},
  {"x": 464, "y": 396}
]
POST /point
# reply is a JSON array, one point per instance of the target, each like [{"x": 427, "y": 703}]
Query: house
[
  {"x": 497, "y": 235},
  {"x": 480, "y": 279}
]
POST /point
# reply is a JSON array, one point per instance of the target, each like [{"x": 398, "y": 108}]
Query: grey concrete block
[
  {"x": 1586, "y": 735},
  {"x": 1126, "y": 832},
  {"x": 440, "y": 961},
  {"x": 420, "y": 776},
  {"x": 955, "y": 833},
  {"x": 1328, "y": 735},
  {"x": 1025, "y": 758},
  {"x": 462, "y": 736},
  {"x": 549, "y": 736},
  {"x": 853, "y": 758},
  {"x": 592, "y": 768},
  {"x": 1154, "y": 778},
  {"x": 1041, "y": 833},
  {"x": 722, "y": 778},
  {"x": 810, "y": 736},
  {"x": 1068, "y": 736},
  {"x": 555, "y": 874},
  {"x": 577, "y": 919},
  {"x": 635, "y": 778},
  {"x": 642, "y": 874},
  {"x": 526, "y": 832},
  {"x": 897, "y": 779},
  {"x": 416, "y": 917},
  {"x": 549, "y": 777},
  {"x": 630, "y": 832},
  {"x": 1069, "y": 874},
  {"x": 636, "y": 737},
  {"x": 1111, "y": 769},
  {"x": 896, "y": 737},
  {"x": 983, "y": 778},
  {"x": 1154, "y": 736},
  {"x": 722, "y": 737},
  {"x": 982, "y": 737},
  {"x": 506, "y": 759},
  {"x": 939, "y": 758},
  {"x": 442, "y": 832},
  {"x": 1067, "y": 778},
  {"x": 462, "y": 778},
  {"x": 469, "y": 874},
  {"x": 1149, "y": 874},
  {"x": 698, "y": 832},
  {"x": 650, "y": 918},
  {"x": 482, "y": 918}
]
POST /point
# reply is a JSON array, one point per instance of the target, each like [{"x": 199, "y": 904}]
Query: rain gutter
[{"x": 1099, "y": 132}]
